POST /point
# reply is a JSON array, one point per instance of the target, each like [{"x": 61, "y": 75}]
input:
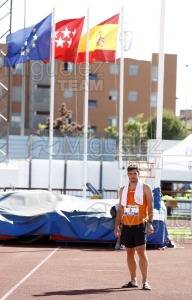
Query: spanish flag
[{"x": 102, "y": 42}]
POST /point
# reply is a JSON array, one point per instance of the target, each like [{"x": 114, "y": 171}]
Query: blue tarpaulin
[{"x": 25, "y": 213}]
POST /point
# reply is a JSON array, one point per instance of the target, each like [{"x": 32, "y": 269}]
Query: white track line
[{"x": 28, "y": 275}]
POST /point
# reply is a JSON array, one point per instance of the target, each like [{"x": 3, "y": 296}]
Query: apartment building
[{"x": 30, "y": 91}]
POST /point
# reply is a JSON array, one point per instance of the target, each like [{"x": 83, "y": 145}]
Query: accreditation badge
[{"x": 131, "y": 210}]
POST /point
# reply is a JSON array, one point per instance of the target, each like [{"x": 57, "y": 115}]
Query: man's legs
[
  {"x": 118, "y": 243},
  {"x": 132, "y": 265},
  {"x": 143, "y": 261}
]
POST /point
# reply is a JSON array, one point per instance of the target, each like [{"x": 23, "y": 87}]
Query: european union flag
[{"x": 32, "y": 43}]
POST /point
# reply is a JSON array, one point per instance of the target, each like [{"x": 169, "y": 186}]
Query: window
[
  {"x": 38, "y": 68},
  {"x": 93, "y": 129},
  {"x": 154, "y": 73},
  {"x": 133, "y": 70},
  {"x": 68, "y": 93},
  {"x": 68, "y": 66},
  {"x": 114, "y": 69},
  {"x": 42, "y": 113},
  {"x": 131, "y": 119},
  {"x": 113, "y": 95},
  {"x": 41, "y": 97},
  {"x": 1, "y": 62},
  {"x": 153, "y": 102},
  {"x": 92, "y": 103},
  {"x": 112, "y": 121},
  {"x": 16, "y": 94},
  {"x": 43, "y": 86},
  {"x": 16, "y": 120},
  {"x": 133, "y": 96},
  {"x": 18, "y": 69},
  {"x": 92, "y": 76}
]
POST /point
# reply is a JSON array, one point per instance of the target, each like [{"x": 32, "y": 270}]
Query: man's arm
[
  {"x": 149, "y": 198},
  {"x": 118, "y": 215}
]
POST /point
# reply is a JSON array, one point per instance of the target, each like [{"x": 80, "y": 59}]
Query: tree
[
  {"x": 111, "y": 132},
  {"x": 135, "y": 128},
  {"x": 135, "y": 138},
  {"x": 172, "y": 127}
]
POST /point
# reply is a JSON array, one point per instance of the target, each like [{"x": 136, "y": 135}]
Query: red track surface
[{"x": 48, "y": 271}]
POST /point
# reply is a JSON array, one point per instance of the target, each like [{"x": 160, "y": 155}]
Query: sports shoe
[
  {"x": 129, "y": 285},
  {"x": 146, "y": 287},
  {"x": 122, "y": 247},
  {"x": 117, "y": 247}
]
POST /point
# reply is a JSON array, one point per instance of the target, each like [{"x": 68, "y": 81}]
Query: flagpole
[
  {"x": 86, "y": 109},
  {"x": 23, "y": 89},
  {"x": 52, "y": 100},
  {"x": 160, "y": 95},
  {"x": 121, "y": 102}
]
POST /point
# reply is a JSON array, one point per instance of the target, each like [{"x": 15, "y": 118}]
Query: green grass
[
  {"x": 180, "y": 232},
  {"x": 179, "y": 217}
]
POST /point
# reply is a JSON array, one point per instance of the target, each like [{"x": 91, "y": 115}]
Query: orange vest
[{"x": 134, "y": 213}]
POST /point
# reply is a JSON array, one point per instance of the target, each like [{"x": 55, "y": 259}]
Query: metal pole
[
  {"x": 52, "y": 102},
  {"x": 23, "y": 90},
  {"x": 101, "y": 167},
  {"x": 65, "y": 165},
  {"x": 186, "y": 109},
  {"x": 30, "y": 162},
  {"x": 9, "y": 99},
  {"x": 121, "y": 95},
  {"x": 86, "y": 101},
  {"x": 160, "y": 96}
]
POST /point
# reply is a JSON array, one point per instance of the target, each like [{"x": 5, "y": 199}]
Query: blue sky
[{"x": 142, "y": 17}]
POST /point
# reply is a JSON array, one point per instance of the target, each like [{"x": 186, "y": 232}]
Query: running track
[{"x": 51, "y": 271}]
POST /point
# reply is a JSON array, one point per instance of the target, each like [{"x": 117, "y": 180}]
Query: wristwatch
[{"x": 150, "y": 222}]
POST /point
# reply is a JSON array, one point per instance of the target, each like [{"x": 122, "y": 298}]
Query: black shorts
[{"x": 133, "y": 236}]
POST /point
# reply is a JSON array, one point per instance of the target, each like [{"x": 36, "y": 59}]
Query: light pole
[{"x": 186, "y": 113}]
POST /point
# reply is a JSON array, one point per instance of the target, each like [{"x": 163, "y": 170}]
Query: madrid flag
[
  {"x": 67, "y": 37},
  {"x": 102, "y": 42}
]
